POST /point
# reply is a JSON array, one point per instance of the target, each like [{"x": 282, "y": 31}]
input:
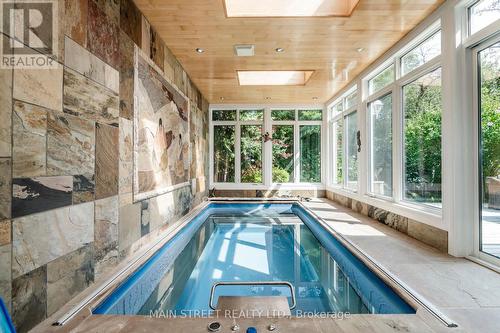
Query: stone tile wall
[
  {"x": 67, "y": 214},
  {"x": 425, "y": 233}
]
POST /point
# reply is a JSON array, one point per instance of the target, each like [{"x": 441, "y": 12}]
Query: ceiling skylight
[
  {"x": 273, "y": 78},
  {"x": 289, "y": 8}
]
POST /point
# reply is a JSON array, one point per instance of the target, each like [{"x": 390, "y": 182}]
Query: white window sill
[
  {"x": 421, "y": 213},
  {"x": 275, "y": 186}
]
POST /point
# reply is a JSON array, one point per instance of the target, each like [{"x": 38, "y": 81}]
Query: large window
[
  {"x": 422, "y": 139},
  {"x": 283, "y": 153},
  {"x": 303, "y": 126},
  {"x": 224, "y": 153},
  {"x": 310, "y": 153},
  {"x": 244, "y": 140},
  {"x": 488, "y": 59},
  {"x": 398, "y": 118},
  {"x": 344, "y": 139},
  {"x": 251, "y": 153},
  {"x": 380, "y": 120}
]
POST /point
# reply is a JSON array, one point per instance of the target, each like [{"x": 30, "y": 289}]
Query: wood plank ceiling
[{"x": 328, "y": 45}]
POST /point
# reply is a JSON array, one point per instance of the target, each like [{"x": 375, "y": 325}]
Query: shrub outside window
[{"x": 422, "y": 110}]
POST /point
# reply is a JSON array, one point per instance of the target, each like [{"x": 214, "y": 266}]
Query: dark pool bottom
[{"x": 240, "y": 242}]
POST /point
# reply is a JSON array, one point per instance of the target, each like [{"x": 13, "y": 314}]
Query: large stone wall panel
[
  {"x": 39, "y": 86},
  {"x": 62, "y": 230},
  {"x": 89, "y": 100}
]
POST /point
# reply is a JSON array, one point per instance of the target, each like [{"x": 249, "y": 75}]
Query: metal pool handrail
[{"x": 252, "y": 283}]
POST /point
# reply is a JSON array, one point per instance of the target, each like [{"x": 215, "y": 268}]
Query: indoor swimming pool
[{"x": 247, "y": 250}]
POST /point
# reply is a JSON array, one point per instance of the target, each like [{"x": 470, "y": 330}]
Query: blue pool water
[{"x": 241, "y": 242}]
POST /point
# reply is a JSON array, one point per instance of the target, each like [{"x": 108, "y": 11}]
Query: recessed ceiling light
[
  {"x": 360, "y": 49},
  {"x": 274, "y": 78},
  {"x": 200, "y": 50},
  {"x": 279, "y": 49}
]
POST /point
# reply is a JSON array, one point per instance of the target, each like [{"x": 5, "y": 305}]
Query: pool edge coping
[{"x": 402, "y": 289}]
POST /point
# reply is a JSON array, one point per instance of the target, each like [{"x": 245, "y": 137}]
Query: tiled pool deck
[{"x": 467, "y": 293}]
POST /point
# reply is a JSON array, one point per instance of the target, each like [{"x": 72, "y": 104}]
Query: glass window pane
[
  {"x": 224, "y": 137},
  {"x": 223, "y": 115},
  {"x": 251, "y": 115},
  {"x": 338, "y": 130},
  {"x": 283, "y": 114},
  {"x": 310, "y": 114},
  {"x": 483, "y": 13},
  {"x": 381, "y": 80},
  {"x": 251, "y": 154},
  {"x": 490, "y": 149},
  {"x": 427, "y": 50},
  {"x": 283, "y": 153},
  {"x": 246, "y": 115},
  {"x": 351, "y": 99},
  {"x": 422, "y": 139},
  {"x": 337, "y": 108},
  {"x": 381, "y": 146},
  {"x": 352, "y": 151},
  {"x": 310, "y": 153}
]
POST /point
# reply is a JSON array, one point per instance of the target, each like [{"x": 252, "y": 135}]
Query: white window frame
[
  {"x": 334, "y": 118},
  {"x": 429, "y": 214},
  {"x": 369, "y": 147},
  {"x": 267, "y": 124},
  {"x": 396, "y": 89},
  {"x": 459, "y": 211},
  {"x": 477, "y": 112},
  {"x": 472, "y": 45}
]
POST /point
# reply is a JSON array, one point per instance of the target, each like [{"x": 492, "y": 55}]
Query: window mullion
[
  {"x": 296, "y": 150},
  {"x": 237, "y": 160},
  {"x": 267, "y": 154},
  {"x": 397, "y": 144}
]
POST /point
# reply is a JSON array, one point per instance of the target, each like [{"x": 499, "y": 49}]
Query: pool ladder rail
[{"x": 252, "y": 283}]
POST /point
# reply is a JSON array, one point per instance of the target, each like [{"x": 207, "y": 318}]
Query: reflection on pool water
[{"x": 256, "y": 245}]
